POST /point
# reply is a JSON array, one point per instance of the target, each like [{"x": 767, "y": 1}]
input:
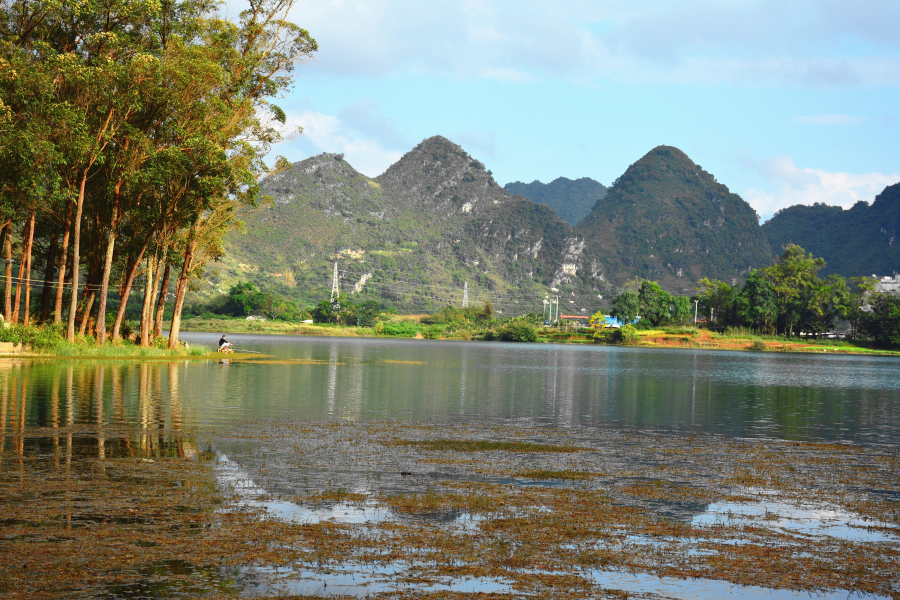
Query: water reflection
[{"x": 789, "y": 396}]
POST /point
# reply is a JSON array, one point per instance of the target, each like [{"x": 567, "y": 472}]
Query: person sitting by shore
[{"x": 225, "y": 345}]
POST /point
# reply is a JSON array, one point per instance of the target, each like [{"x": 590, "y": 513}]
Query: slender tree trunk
[
  {"x": 7, "y": 251},
  {"x": 70, "y": 331},
  {"x": 129, "y": 281},
  {"x": 86, "y": 315},
  {"x": 47, "y": 292},
  {"x": 60, "y": 285},
  {"x": 161, "y": 304},
  {"x": 146, "y": 309},
  {"x": 151, "y": 308},
  {"x": 18, "y": 299},
  {"x": 181, "y": 288},
  {"x": 26, "y": 319},
  {"x": 104, "y": 281}
]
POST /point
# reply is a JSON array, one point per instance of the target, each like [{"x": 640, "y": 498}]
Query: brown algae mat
[{"x": 400, "y": 510}]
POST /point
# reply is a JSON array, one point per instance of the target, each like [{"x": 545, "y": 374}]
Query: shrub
[
  {"x": 400, "y": 328},
  {"x": 39, "y": 338},
  {"x": 433, "y": 332},
  {"x": 518, "y": 331},
  {"x": 626, "y": 334},
  {"x": 758, "y": 345}
]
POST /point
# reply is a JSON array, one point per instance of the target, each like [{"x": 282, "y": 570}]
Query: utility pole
[
  {"x": 557, "y": 311},
  {"x": 466, "y": 295},
  {"x": 335, "y": 292},
  {"x": 695, "y": 311}
]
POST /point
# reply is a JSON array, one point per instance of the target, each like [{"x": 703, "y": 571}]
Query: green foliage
[
  {"x": 518, "y": 330},
  {"x": 882, "y": 323},
  {"x": 758, "y": 346},
  {"x": 245, "y": 300},
  {"x": 39, "y": 338},
  {"x": 626, "y": 307},
  {"x": 626, "y": 335},
  {"x": 433, "y": 332},
  {"x": 400, "y": 328},
  {"x": 682, "y": 310},
  {"x": 654, "y": 302}
]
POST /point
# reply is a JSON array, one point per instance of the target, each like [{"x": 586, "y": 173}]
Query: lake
[{"x": 739, "y": 394}]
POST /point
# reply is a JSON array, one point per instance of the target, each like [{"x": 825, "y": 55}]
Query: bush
[
  {"x": 626, "y": 334},
  {"x": 433, "y": 332},
  {"x": 518, "y": 331},
  {"x": 758, "y": 345},
  {"x": 400, "y": 328},
  {"x": 39, "y": 338}
]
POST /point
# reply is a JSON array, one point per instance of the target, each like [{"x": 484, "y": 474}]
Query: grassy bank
[
  {"x": 50, "y": 341},
  {"x": 670, "y": 337}
]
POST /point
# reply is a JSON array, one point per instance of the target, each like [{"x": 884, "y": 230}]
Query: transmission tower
[
  {"x": 334, "y": 285},
  {"x": 466, "y": 295}
]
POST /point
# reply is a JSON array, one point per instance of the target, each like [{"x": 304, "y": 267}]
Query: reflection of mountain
[{"x": 863, "y": 240}]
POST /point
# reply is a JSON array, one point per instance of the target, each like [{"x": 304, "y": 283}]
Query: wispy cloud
[
  {"x": 369, "y": 154},
  {"x": 829, "y": 120},
  {"x": 790, "y": 185},
  {"x": 749, "y": 42}
]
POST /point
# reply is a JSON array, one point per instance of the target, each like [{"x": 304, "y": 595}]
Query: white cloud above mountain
[{"x": 789, "y": 185}]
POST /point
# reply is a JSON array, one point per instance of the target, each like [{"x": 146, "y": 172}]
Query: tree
[
  {"x": 655, "y": 303},
  {"x": 716, "y": 297},
  {"x": 793, "y": 276},
  {"x": 757, "y": 305},
  {"x": 626, "y": 307},
  {"x": 681, "y": 309},
  {"x": 882, "y": 322}
]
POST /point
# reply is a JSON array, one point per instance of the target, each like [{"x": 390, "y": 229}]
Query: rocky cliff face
[
  {"x": 667, "y": 219},
  {"x": 414, "y": 235},
  {"x": 436, "y": 219},
  {"x": 863, "y": 240}
]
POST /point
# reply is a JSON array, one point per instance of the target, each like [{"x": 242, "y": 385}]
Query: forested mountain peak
[
  {"x": 571, "y": 199},
  {"x": 667, "y": 219},
  {"x": 862, "y": 240}
]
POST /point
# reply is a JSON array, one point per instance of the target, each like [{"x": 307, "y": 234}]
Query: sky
[{"x": 784, "y": 102}]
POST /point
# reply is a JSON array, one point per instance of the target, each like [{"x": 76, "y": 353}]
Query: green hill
[
  {"x": 667, "y": 219},
  {"x": 572, "y": 200},
  {"x": 858, "y": 241},
  {"x": 411, "y": 237}
]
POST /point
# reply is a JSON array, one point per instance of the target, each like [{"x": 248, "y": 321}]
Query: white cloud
[
  {"x": 790, "y": 185},
  {"x": 829, "y": 120},
  {"x": 751, "y": 42},
  {"x": 327, "y": 133}
]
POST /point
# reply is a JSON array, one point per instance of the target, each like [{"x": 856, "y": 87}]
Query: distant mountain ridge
[
  {"x": 864, "y": 240},
  {"x": 436, "y": 220},
  {"x": 572, "y": 200}
]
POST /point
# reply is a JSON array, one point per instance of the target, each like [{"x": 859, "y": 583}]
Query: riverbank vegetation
[{"x": 130, "y": 136}]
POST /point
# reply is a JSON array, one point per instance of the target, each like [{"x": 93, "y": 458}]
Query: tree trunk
[
  {"x": 104, "y": 281},
  {"x": 47, "y": 293},
  {"x": 161, "y": 304},
  {"x": 70, "y": 331},
  {"x": 60, "y": 285},
  {"x": 26, "y": 319},
  {"x": 86, "y": 315},
  {"x": 180, "y": 289},
  {"x": 7, "y": 251},
  {"x": 18, "y": 299},
  {"x": 157, "y": 275},
  {"x": 129, "y": 280},
  {"x": 148, "y": 301}
]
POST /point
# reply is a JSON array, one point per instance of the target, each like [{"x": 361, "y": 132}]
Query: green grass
[
  {"x": 122, "y": 351},
  {"x": 485, "y": 446}
]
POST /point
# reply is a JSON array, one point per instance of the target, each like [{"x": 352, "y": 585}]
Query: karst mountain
[{"x": 437, "y": 221}]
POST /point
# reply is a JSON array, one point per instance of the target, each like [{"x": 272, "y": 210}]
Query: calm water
[{"x": 735, "y": 393}]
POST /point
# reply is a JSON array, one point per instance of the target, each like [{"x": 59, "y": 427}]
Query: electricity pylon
[
  {"x": 334, "y": 285},
  {"x": 466, "y": 295}
]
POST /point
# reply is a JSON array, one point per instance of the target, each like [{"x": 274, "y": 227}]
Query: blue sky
[{"x": 784, "y": 102}]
